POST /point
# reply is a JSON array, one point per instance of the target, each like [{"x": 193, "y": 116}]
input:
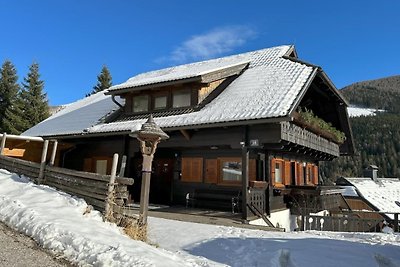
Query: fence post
[
  {"x": 53, "y": 153},
  {"x": 43, "y": 162},
  {"x": 3, "y": 143},
  {"x": 108, "y": 213},
  {"x": 396, "y": 222},
  {"x": 123, "y": 166}
]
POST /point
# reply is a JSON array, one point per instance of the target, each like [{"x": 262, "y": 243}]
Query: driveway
[{"x": 18, "y": 250}]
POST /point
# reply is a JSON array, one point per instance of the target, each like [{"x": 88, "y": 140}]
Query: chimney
[{"x": 372, "y": 172}]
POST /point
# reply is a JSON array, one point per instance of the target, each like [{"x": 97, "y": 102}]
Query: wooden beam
[
  {"x": 3, "y": 143},
  {"x": 43, "y": 161},
  {"x": 53, "y": 153},
  {"x": 186, "y": 134}
]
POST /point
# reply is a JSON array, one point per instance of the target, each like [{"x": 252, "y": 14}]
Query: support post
[
  {"x": 108, "y": 212},
  {"x": 123, "y": 166},
  {"x": 43, "y": 162},
  {"x": 53, "y": 153},
  {"x": 3, "y": 143},
  {"x": 396, "y": 222},
  {"x": 245, "y": 182},
  {"x": 145, "y": 189}
]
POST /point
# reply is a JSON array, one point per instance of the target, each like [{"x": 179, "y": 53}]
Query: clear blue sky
[{"x": 71, "y": 40}]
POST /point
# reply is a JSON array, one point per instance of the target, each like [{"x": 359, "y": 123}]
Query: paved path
[{"x": 18, "y": 250}]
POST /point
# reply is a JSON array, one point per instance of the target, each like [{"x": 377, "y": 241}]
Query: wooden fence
[
  {"x": 92, "y": 187},
  {"x": 349, "y": 222}
]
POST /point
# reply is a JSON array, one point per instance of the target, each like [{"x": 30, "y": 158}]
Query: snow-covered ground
[
  {"x": 57, "y": 222},
  {"x": 357, "y": 111}
]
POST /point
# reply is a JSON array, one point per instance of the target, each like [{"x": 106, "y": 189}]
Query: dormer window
[
  {"x": 181, "y": 99},
  {"x": 160, "y": 102},
  {"x": 140, "y": 103}
]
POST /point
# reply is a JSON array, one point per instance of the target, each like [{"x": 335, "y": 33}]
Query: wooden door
[{"x": 161, "y": 181}]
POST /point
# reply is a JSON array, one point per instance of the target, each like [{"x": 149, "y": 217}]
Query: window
[
  {"x": 231, "y": 171},
  {"x": 140, "y": 103},
  {"x": 278, "y": 172},
  {"x": 160, "y": 102},
  {"x": 101, "y": 166},
  {"x": 181, "y": 99}
]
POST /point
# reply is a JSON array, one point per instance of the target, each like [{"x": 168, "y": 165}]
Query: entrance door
[{"x": 161, "y": 181}]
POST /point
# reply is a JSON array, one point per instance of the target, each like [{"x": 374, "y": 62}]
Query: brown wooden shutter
[
  {"x": 186, "y": 169},
  {"x": 87, "y": 165},
  {"x": 192, "y": 169},
  {"x": 211, "y": 171},
  {"x": 273, "y": 162},
  {"x": 286, "y": 173},
  {"x": 252, "y": 170},
  {"x": 197, "y": 169},
  {"x": 299, "y": 178},
  {"x": 315, "y": 170}
]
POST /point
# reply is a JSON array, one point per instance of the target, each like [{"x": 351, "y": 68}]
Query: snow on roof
[
  {"x": 349, "y": 191},
  {"x": 383, "y": 194},
  {"x": 75, "y": 117},
  {"x": 268, "y": 88}
]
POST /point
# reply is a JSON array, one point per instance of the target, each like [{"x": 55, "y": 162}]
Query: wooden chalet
[{"x": 237, "y": 139}]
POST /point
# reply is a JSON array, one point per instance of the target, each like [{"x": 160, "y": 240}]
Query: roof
[
  {"x": 382, "y": 194},
  {"x": 75, "y": 118},
  {"x": 270, "y": 87}
]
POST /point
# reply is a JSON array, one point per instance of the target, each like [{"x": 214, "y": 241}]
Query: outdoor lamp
[{"x": 149, "y": 136}]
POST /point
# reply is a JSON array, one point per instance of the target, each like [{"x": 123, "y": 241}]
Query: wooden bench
[{"x": 215, "y": 198}]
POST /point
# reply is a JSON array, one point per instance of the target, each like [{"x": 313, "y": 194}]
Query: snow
[
  {"x": 357, "y": 111},
  {"x": 57, "y": 222}
]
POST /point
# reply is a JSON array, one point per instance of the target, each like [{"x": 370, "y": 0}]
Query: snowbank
[{"x": 56, "y": 221}]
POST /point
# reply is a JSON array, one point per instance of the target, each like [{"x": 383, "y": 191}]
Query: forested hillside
[{"x": 376, "y": 138}]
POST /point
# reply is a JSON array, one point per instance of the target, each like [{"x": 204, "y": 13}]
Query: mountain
[
  {"x": 376, "y": 138},
  {"x": 380, "y": 94}
]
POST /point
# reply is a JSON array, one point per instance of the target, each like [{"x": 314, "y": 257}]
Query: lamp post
[{"x": 149, "y": 136}]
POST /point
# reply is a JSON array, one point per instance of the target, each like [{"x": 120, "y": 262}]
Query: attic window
[
  {"x": 140, "y": 103},
  {"x": 160, "y": 102},
  {"x": 181, "y": 99}
]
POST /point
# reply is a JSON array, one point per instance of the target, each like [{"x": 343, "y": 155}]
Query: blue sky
[{"x": 72, "y": 40}]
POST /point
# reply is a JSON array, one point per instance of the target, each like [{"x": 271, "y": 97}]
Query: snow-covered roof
[
  {"x": 268, "y": 88},
  {"x": 349, "y": 191},
  {"x": 75, "y": 117},
  {"x": 382, "y": 194}
]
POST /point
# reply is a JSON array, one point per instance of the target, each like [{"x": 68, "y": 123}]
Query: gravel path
[{"x": 18, "y": 250}]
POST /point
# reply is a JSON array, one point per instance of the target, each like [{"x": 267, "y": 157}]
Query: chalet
[{"x": 247, "y": 130}]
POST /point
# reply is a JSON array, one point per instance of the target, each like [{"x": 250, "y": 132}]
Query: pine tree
[
  {"x": 8, "y": 93},
  {"x": 36, "y": 107},
  {"x": 15, "y": 121},
  {"x": 104, "y": 81}
]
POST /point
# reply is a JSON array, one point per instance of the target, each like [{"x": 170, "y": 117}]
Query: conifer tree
[
  {"x": 104, "y": 81},
  {"x": 36, "y": 107},
  {"x": 8, "y": 92}
]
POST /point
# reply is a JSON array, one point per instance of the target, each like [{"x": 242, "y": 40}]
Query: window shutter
[
  {"x": 287, "y": 179},
  {"x": 186, "y": 169},
  {"x": 211, "y": 171},
  {"x": 315, "y": 170},
  {"x": 87, "y": 165},
  {"x": 197, "y": 169},
  {"x": 299, "y": 178},
  {"x": 192, "y": 169},
  {"x": 273, "y": 161},
  {"x": 252, "y": 170}
]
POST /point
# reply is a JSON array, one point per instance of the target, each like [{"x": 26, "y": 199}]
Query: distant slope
[
  {"x": 376, "y": 138},
  {"x": 379, "y": 94}
]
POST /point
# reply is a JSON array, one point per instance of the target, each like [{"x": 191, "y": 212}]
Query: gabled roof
[
  {"x": 382, "y": 194},
  {"x": 199, "y": 72},
  {"x": 268, "y": 89}
]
